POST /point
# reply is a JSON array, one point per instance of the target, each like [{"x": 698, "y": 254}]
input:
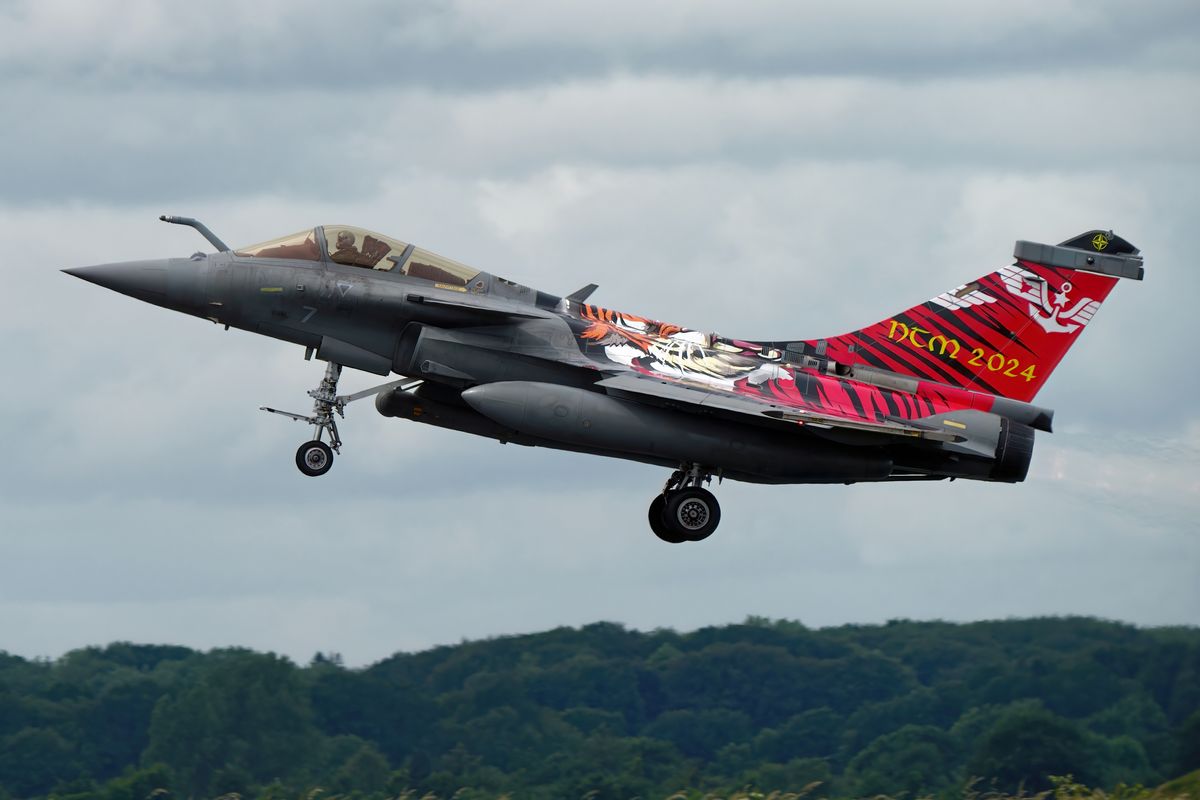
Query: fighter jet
[{"x": 942, "y": 390}]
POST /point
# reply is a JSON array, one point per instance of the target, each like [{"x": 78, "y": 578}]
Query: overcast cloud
[{"x": 768, "y": 170}]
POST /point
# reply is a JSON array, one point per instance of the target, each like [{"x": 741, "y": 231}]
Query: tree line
[{"x": 915, "y": 708}]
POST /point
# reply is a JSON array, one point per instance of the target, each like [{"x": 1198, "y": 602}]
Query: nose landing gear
[
  {"x": 685, "y": 511},
  {"x": 314, "y": 458}
]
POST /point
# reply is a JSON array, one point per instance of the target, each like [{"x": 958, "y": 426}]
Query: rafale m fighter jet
[{"x": 942, "y": 390}]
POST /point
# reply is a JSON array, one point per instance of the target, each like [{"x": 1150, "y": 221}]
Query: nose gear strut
[{"x": 315, "y": 457}]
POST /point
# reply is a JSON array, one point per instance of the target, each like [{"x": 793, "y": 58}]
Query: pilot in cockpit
[{"x": 346, "y": 252}]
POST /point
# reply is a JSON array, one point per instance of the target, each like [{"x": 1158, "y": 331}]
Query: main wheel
[
  {"x": 692, "y": 513},
  {"x": 314, "y": 458},
  {"x": 658, "y": 524}
]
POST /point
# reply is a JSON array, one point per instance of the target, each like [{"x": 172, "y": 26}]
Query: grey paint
[
  {"x": 1119, "y": 266},
  {"x": 593, "y": 420}
]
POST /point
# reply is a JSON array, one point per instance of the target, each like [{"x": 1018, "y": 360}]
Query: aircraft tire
[
  {"x": 314, "y": 458},
  {"x": 692, "y": 513},
  {"x": 658, "y": 523}
]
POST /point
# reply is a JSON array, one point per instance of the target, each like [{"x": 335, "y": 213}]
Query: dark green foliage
[
  {"x": 139, "y": 784},
  {"x": 116, "y": 726},
  {"x": 1028, "y": 745},
  {"x": 811, "y": 734},
  {"x": 790, "y": 777},
  {"x": 589, "y": 682},
  {"x": 919, "y": 707},
  {"x": 766, "y": 683},
  {"x": 366, "y": 770},
  {"x": 592, "y": 720},
  {"x": 394, "y": 713},
  {"x": 35, "y": 759},
  {"x": 700, "y": 734},
  {"x": 915, "y": 759},
  {"x": 1188, "y": 746},
  {"x": 245, "y": 720},
  {"x": 1138, "y": 718},
  {"x": 601, "y": 711},
  {"x": 1125, "y": 761}
]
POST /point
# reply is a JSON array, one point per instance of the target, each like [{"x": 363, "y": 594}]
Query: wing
[{"x": 706, "y": 399}]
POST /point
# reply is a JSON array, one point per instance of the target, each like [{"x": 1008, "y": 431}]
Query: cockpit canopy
[{"x": 357, "y": 247}]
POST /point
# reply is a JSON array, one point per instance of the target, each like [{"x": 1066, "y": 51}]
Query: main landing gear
[
  {"x": 315, "y": 457},
  {"x": 685, "y": 511}
]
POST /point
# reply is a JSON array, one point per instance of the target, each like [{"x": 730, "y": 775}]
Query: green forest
[{"x": 906, "y": 708}]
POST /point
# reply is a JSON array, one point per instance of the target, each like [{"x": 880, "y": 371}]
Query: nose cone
[{"x": 145, "y": 280}]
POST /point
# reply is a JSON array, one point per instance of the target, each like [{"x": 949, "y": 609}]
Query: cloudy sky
[{"x": 763, "y": 169}]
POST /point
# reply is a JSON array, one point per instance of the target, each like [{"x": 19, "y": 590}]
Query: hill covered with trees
[{"x": 602, "y": 711}]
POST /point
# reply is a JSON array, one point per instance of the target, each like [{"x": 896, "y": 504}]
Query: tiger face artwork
[{"x": 654, "y": 347}]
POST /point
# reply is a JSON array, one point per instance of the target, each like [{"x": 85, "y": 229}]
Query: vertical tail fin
[{"x": 1003, "y": 333}]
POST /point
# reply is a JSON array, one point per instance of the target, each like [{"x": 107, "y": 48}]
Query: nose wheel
[
  {"x": 685, "y": 511},
  {"x": 314, "y": 458}
]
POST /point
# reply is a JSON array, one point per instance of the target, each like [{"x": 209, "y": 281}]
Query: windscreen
[{"x": 302, "y": 246}]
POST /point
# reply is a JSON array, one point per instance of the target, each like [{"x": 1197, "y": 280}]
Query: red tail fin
[{"x": 1005, "y": 332}]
